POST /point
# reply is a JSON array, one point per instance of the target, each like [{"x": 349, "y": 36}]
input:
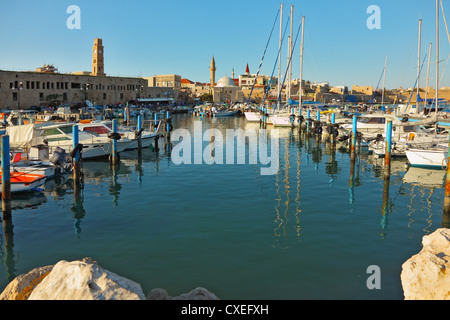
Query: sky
[{"x": 143, "y": 38}]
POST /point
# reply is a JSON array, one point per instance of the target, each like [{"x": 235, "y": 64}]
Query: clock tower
[{"x": 98, "y": 64}]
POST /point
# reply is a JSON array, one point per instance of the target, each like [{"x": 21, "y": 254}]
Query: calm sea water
[{"x": 308, "y": 232}]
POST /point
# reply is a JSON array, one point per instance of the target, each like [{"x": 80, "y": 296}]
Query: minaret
[
  {"x": 247, "y": 70},
  {"x": 98, "y": 64},
  {"x": 212, "y": 69}
]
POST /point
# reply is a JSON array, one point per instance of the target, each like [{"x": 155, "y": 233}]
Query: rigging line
[
  {"x": 445, "y": 21},
  {"x": 264, "y": 54},
  {"x": 276, "y": 61},
  {"x": 373, "y": 96},
  {"x": 417, "y": 78},
  {"x": 290, "y": 61}
]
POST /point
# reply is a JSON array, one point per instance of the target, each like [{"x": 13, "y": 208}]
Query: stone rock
[
  {"x": 158, "y": 294},
  {"x": 22, "y": 286},
  {"x": 85, "y": 280},
  {"x": 196, "y": 294},
  {"x": 426, "y": 275}
]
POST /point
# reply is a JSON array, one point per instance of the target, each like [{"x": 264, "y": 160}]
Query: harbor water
[{"x": 312, "y": 230}]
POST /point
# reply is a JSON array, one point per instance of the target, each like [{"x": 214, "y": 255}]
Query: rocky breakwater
[
  {"x": 85, "y": 280},
  {"x": 426, "y": 275}
]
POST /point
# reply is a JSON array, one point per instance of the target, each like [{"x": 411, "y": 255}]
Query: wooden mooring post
[
  {"x": 446, "y": 213},
  {"x": 139, "y": 133},
  {"x": 114, "y": 158},
  {"x": 6, "y": 179},
  {"x": 76, "y": 156}
]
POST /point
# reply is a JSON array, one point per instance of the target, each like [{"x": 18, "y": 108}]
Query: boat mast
[
  {"x": 428, "y": 74},
  {"x": 289, "y": 59},
  {"x": 301, "y": 67},
  {"x": 384, "y": 80},
  {"x": 279, "y": 56},
  {"x": 418, "y": 66},
  {"x": 437, "y": 57}
]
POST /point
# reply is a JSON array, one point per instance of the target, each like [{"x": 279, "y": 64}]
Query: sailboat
[
  {"x": 285, "y": 117},
  {"x": 435, "y": 157}
]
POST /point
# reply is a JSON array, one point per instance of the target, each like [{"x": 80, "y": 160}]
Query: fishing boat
[
  {"x": 23, "y": 182},
  {"x": 223, "y": 112}
]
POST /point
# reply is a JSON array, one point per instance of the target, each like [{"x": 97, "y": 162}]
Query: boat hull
[
  {"x": 24, "y": 182},
  {"x": 427, "y": 158}
]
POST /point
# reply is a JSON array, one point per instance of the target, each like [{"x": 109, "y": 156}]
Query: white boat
[
  {"x": 252, "y": 116},
  {"x": 60, "y": 135},
  {"x": 435, "y": 157},
  {"x": 280, "y": 120},
  {"x": 403, "y": 137},
  {"x": 370, "y": 124},
  {"x": 104, "y": 129}
]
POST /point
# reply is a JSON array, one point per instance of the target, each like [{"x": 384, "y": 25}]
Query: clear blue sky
[{"x": 149, "y": 37}]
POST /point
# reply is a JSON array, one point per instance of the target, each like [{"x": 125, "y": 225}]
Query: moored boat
[{"x": 23, "y": 182}]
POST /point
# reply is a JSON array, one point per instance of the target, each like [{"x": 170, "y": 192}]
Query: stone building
[
  {"x": 22, "y": 90},
  {"x": 45, "y": 86}
]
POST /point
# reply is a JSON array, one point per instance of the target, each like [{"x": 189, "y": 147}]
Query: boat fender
[
  {"x": 405, "y": 119},
  {"x": 444, "y": 116},
  {"x": 114, "y": 136},
  {"x": 77, "y": 149}
]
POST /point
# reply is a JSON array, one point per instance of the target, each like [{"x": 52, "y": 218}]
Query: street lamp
[
  {"x": 85, "y": 90},
  {"x": 18, "y": 93}
]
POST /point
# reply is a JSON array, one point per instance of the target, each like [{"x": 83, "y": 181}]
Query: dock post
[
  {"x": 308, "y": 116},
  {"x": 139, "y": 131},
  {"x": 6, "y": 179},
  {"x": 333, "y": 120},
  {"x": 292, "y": 116},
  {"x": 446, "y": 215},
  {"x": 76, "y": 158},
  {"x": 353, "y": 142},
  {"x": 114, "y": 154},
  {"x": 168, "y": 125},
  {"x": 387, "y": 154},
  {"x": 128, "y": 114},
  {"x": 156, "y": 121}
]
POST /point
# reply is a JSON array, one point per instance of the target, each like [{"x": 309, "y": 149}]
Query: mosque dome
[{"x": 225, "y": 82}]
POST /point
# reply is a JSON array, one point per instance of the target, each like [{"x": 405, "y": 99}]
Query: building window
[
  {"x": 38, "y": 85},
  {"x": 65, "y": 96},
  {"x": 14, "y": 96},
  {"x": 41, "y": 96},
  {"x": 104, "y": 96}
]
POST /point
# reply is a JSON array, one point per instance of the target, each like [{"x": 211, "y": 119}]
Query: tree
[{"x": 207, "y": 97}]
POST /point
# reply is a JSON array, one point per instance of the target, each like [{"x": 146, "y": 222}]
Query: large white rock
[
  {"x": 426, "y": 275},
  {"x": 85, "y": 280}
]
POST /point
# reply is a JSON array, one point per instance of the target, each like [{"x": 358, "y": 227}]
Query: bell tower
[{"x": 98, "y": 64}]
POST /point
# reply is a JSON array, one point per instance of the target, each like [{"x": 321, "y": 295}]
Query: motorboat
[
  {"x": 432, "y": 157},
  {"x": 104, "y": 129},
  {"x": 24, "y": 182},
  {"x": 60, "y": 136}
]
